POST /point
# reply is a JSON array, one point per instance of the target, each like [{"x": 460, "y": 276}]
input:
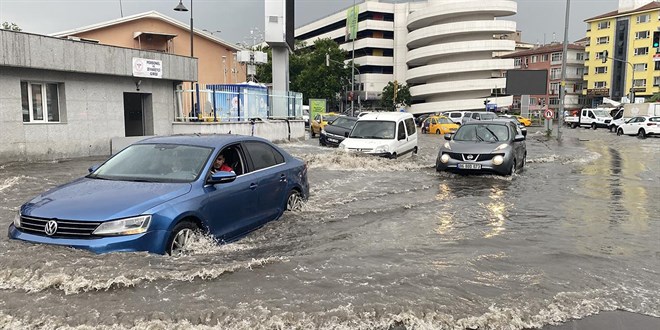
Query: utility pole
[
  {"x": 562, "y": 85},
  {"x": 353, "y": 62}
]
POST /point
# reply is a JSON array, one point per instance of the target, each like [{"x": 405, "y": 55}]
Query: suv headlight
[
  {"x": 17, "y": 219},
  {"x": 128, "y": 226},
  {"x": 383, "y": 148}
]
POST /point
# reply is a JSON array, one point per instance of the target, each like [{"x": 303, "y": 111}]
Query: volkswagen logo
[
  {"x": 51, "y": 227},
  {"x": 470, "y": 157}
]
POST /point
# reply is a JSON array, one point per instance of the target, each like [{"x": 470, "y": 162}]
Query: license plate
[
  {"x": 332, "y": 140},
  {"x": 469, "y": 166}
]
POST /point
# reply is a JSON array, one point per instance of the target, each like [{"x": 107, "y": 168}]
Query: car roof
[
  {"x": 208, "y": 140},
  {"x": 389, "y": 116},
  {"x": 497, "y": 121}
]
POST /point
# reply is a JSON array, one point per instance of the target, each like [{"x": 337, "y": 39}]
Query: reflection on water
[{"x": 498, "y": 210}]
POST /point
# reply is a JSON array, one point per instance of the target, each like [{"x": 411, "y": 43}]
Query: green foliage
[
  {"x": 654, "y": 98},
  {"x": 308, "y": 73},
  {"x": 403, "y": 97},
  {"x": 10, "y": 26}
]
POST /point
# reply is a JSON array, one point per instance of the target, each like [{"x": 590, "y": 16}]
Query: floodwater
[{"x": 381, "y": 244}]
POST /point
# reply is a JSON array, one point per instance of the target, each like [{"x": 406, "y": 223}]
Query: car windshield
[
  {"x": 445, "y": 121},
  {"x": 155, "y": 163},
  {"x": 373, "y": 130},
  {"x": 488, "y": 116},
  {"x": 601, "y": 113},
  {"x": 344, "y": 122},
  {"x": 329, "y": 119},
  {"x": 484, "y": 132}
]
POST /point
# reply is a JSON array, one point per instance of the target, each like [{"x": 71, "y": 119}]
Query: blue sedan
[{"x": 153, "y": 195}]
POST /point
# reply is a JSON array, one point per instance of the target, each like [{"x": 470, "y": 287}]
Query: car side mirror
[
  {"x": 447, "y": 136},
  {"x": 221, "y": 177},
  {"x": 519, "y": 138},
  {"x": 524, "y": 132},
  {"x": 93, "y": 168}
]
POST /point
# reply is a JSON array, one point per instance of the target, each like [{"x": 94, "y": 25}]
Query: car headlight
[
  {"x": 498, "y": 160},
  {"x": 383, "y": 148},
  {"x": 501, "y": 147},
  {"x": 444, "y": 158},
  {"x": 342, "y": 146},
  {"x": 128, "y": 226},
  {"x": 17, "y": 219},
  {"x": 447, "y": 145}
]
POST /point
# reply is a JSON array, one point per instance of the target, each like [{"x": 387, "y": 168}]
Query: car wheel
[
  {"x": 294, "y": 201},
  {"x": 619, "y": 132},
  {"x": 512, "y": 170},
  {"x": 415, "y": 151},
  {"x": 593, "y": 126},
  {"x": 180, "y": 237},
  {"x": 393, "y": 156},
  {"x": 574, "y": 125},
  {"x": 641, "y": 134},
  {"x": 437, "y": 131}
]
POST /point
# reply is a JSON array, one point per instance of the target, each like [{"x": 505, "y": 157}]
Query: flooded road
[{"x": 381, "y": 244}]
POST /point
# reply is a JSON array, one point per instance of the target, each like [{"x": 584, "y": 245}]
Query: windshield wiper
[
  {"x": 492, "y": 133},
  {"x": 479, "y": 137}
]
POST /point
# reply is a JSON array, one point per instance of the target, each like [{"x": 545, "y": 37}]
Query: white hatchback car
[{"x": 641, "y": 126}]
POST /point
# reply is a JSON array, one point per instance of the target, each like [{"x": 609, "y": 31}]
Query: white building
[{"x": 443, "y": 49}]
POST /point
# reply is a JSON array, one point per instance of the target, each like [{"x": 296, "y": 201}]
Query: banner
[
  {"x": 352, "y": 22},
  {"x": 316, "y": 106}
]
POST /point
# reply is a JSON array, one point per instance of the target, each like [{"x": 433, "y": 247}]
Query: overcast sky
[{"x": 539, "y": 20}]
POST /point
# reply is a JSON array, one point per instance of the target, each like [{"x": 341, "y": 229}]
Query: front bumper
[
  {"x": 486, "y": 166},
  {"x": 330, "y": 140},
  {"x": 152, "y": 241}
]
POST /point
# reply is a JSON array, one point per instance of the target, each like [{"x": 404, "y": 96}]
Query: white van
[{"x": 386, "y": 134}]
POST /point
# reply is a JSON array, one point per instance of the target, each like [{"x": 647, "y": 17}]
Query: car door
[
  {"x": 269, "y": 166},
  {"x": 411, "y": 131},
  {"x": 229, "y": 205}
]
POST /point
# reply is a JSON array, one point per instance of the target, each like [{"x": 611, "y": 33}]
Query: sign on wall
[
  {"x": 316, "y": 106},
  {"x": 144, "y": 67}
]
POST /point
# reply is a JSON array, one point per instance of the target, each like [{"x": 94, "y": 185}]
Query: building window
[
  {"x": 579, "y": 56},
  {"x": 602, "y": 40},
  {"x": 555, "y": 73},
  {"x": 535, "y": 58},
  {"x": 578, "y": 87},
  {"x": 657, "y": 66},
  {"x": 640, "y": 67},
  {"x": 40, "y": 102},
  {"x": 639, "y": 83},
  {"x": 643, "y": 18},
  {"x": 599, "y": 55},
  {"x": 600, "y": 84},
  {"x": 517, "y": 62},
  {"x": 656, "y": 81},
  {"x": 554, "y": 88},
  {"x": 544, "y": 58},
  {"x": 554, "y": 101},
  {"x": 642, "y": 35},
  {"x": 641, "y": 51},
  {"x": 601, "y": 69},
  {"x": 556, "y": 57},
  {"x": 603, "y": 25},
  {"x": 579, "y": 71}
]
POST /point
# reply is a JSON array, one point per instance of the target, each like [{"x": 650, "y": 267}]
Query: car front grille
[
  {"x": 361, "y": 149},
  {"x": 472, "y": 157},
  {"x": 65, "y": 228}
]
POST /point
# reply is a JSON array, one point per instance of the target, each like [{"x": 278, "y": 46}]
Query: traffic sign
[{"x": 548, "y": 114}]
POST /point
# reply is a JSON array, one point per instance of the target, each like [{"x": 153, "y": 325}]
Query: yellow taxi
[
  {"x": 438, "y": 125},
  {"x": 320, "y": 121},
  {"x": 525, "y": 121}
]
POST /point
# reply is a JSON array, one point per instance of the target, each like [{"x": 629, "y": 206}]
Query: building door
[{"x": 136, "y": 114}]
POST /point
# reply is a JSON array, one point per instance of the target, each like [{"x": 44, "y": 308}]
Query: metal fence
[{"x": 235, "y": 103}]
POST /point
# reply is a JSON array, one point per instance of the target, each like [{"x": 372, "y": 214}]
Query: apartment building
[
  {"x": 549, "y": 57},
  {"x": 443, "y": 49},
  {"x": 626, "y": 37}
]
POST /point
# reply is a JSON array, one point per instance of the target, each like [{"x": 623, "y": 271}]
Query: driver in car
[{"x": 219, "y": 165}]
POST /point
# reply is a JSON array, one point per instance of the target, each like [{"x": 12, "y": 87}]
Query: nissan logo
[
  {"x": 51, "y": 227},
  {"x": 470, "y": 157}
]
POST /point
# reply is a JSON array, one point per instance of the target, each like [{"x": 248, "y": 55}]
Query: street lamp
[{"x": 181, "y": 7}]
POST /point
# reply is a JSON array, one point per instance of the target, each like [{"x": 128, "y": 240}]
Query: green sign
[
  {"x": 352, "y": 22},
  {"x": 316, "y": 106}
]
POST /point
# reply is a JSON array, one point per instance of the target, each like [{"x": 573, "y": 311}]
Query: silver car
[{"x": 496, "y": 146}]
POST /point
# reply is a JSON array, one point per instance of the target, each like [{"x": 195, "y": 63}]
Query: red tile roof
[{"x": 649, "y": 6}]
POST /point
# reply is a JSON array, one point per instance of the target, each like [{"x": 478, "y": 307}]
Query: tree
[
  {"x": 309, "y": 74},
  {"x": 10, "y": 26},
  {"x": 403, "y": 97}
]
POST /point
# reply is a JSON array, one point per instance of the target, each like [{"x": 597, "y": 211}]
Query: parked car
[
  {"x": 641, "y": 126},
  {"x": 321, "y": 120},
  {"x": 526, "y": 121},
  {"x": 514, "y": 120},
  {"x": 438, "y": 125},
  {"x": 419, "y": 120},
  {"x": 305, "y": 117},
  {"x": 154, "y": 194},
  {"x": 334, "y": 133},
  {"x": 480, "y": 115},
  {"x": 385, "y": 134},
  {"x": 455, "y": 116},
  {"x": 483, "y": 146}
]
